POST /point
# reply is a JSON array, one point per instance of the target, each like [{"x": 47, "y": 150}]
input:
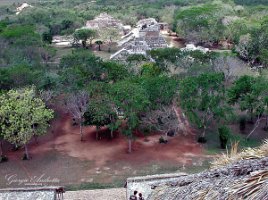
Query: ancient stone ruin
[
  {"x": 22, "y": 7},
  {"x": 146, "y": 36},
  {"x": 103, "y": 21}
]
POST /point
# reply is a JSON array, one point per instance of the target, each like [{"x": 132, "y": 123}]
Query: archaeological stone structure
[
  {"x": 103, "y": 21},
  {"x": 146, "y": 36}
]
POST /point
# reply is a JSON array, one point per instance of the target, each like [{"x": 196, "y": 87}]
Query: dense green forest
[{"x": 211, "y": 88}]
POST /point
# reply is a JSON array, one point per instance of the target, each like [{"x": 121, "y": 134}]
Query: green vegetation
[
  {"x": 250, "y": 93},
  {"x": 209, "y": 87},
  {"x": 84, "y": 35},
  {"x": 203, "y": 99},
  {"x": 23, "y": 115},
  {"x": 224, "y": 134}
]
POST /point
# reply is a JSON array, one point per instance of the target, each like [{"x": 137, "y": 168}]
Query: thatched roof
[{"x": 234, "y": 176}]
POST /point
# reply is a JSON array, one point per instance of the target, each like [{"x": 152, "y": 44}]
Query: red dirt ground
[
  {"x": 62, "y": 148},
  {"x": 64, "y": 137}
]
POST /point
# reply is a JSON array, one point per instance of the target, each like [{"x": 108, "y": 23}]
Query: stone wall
[
  {"x": 44, "y": 193},
  {"x": 146, "y": 184}
]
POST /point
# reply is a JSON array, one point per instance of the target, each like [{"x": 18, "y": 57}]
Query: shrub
[
  {"x": 47, "y": 37},
  {"x": 224, "y": 135},
  {"x": 201, "y": 140},
  {"x": 3, "y": 159},
  {"x": 162, "y": 140}
]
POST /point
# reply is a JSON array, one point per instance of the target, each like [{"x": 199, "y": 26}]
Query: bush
[
  {"x": 171, "y": 133},
  {"x": 47, "y": 37},
  {"x": 146, "y": 130},
  {"x": 224, "y": 135},
  {"x": 162, "y": 140},
  {"x": 243, "y": 141},
  {"x": 3, "y": 158},
  {"x": 201, "y": 140}
]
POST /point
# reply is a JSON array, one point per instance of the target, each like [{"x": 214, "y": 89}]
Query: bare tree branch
[{"x": 77, "y": 106}]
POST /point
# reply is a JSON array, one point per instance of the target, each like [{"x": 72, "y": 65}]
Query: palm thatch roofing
[{"x": 234, "y": 176}]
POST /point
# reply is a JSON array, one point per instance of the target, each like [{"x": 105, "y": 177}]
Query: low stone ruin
[
  {"x": 22, "y": 7},
  {"x": 192, "y": 47},
  {"x": 62, "y": 41}
]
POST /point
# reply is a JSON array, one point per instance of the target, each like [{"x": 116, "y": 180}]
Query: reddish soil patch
[
  {"x": 61, "y": 154},
  {"x": 106, "y": 150},
  {"x": 65, "y": 138}
]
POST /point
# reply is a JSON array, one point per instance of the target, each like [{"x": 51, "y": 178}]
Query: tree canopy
[{"x": 23, "y": 115}]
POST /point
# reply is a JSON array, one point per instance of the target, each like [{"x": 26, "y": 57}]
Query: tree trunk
[
  {"x": 99, "y": 48},
  {"x": 26, "y": 152},
  {"x": 84, "y": 43},
  {"x": 35, "y": 139},
  {"x": 1, "y": 148},
  {"x": 251, "y": 115},
  {"x": 16, "y": 147},
  {"x": 129, "y": 145},
  {"x": 266, "y": 124},
  {"x": 255, "y": 126},
  {"x": 109, "y": 46},
  {"x": 112, "y": 134},
  {"x": 81, "y": 131},
  {"x": 97, "y": 133},
  {"x": 202, "y": 138},
  {"x": 204, "y": 132}
]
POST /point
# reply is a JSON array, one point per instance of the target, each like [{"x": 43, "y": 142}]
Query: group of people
[{"x": 135, "y": 197}]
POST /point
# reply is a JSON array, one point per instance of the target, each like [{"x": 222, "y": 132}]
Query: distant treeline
[{"x": 251, "y": 2}]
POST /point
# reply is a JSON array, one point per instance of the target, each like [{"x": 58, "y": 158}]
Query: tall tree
[
  {"x": 99, "y": 43},
  {"x": 100, "y": 113},
  {"x": 84, "y": 35},
  {"x": 101, "y": 110},
  {"x": 251, "y": 94},
  {"x": 115, "y": 71},
  {"x": 131, "y": 99},
  {"x": 246, "y": 92},
  {"x": 79, "y": 68},
  {"x": 23, "y": 115},
  {"x": 203, "y": 99},
  {"x": 163, "y": 119},
  {"x": 77, "y": 104}
]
